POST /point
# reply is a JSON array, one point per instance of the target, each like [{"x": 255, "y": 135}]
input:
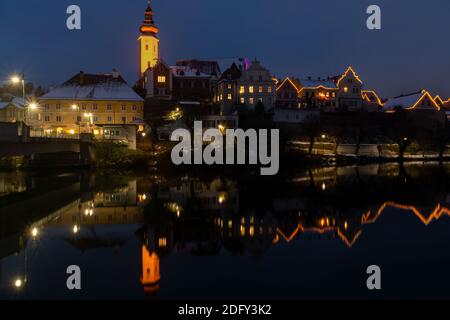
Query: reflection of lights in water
[
  {"x": 34, "y": 232},
  {"x": 230, "y": 224},
  {"x": 91, "y": 212},
  {"x": 178, "y": 213},
  {"x": 18, "y": 283},
  {"x": 76, "y": 229},
  {"x": 221, "y": 199},
  {"x": 86, "y": 212},
  {"x": 324, "y": 186},
  {"x": 144, "y": 196},
  {"x": 345, "y": 225}
]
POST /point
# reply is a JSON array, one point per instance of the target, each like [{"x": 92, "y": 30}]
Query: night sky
[{"x": 290, "y": 37}]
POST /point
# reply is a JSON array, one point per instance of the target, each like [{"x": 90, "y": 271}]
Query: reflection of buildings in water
[
  {"x": 349, "y": 230},
  {"x": 14, "y": 182},
  {"x": 219, "y": 194},
  {"x": 120, "y": 206},
  {"x": 150, "y": 276}
]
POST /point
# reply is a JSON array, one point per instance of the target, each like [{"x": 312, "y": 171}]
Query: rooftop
[{"x": 84, "y": 86}]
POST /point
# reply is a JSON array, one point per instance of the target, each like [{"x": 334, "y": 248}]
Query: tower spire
[{"x": 148, "y": 40}]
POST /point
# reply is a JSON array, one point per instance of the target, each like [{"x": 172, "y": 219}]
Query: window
[
  {"x": 124, "y": 107},
  {"x": 58, "y": 106},
  {"x": 58, "y": 118},
  {"x": 109, "y": 107},
  {"x": 134, "y": 107},
  {"x": 229, "y": 86},
  {"x": 78, "y": 118},
  {"x": 146, "y": 47},
  {"x": 124, "y": 119},
  {"x": 260, "y": 89},
  {"x": 251, "y": 89},
  {"x": 229, "y": 96},
  {"x": 260, "y": 78},
  {"x": 161, "y": 79},
  {"x": 95, "y": 107},
  {"x": 242, "y": 100},
  {"x": 84, "y": 106},
  {"x": 47, "y": 107},
  {"x": 269, "y": 89},
  {"x": 241, "y": 89},
  {"x": 95, "y": 119},
  {"x": 251, "y": 100},
  {"x": 47, "y": 118},
  {"x": 109, "y": 119}
]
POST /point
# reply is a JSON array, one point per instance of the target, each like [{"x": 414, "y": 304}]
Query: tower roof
[{"x": 148, "y": 27}]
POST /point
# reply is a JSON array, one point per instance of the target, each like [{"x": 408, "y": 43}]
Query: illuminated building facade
[
  {"x": 255, "y": 85},
  {"x": 287, "y": 94},
  {"x": 86, "y": 102},
  {"x": 421, "y": 100},
  {"x": 320, "y": 93},
  {"x": 149, "y": 42},
  {"x": 350, "y": 90}
]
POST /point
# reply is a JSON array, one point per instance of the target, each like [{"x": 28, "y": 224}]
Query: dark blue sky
[{"x": 290, "y": 37}]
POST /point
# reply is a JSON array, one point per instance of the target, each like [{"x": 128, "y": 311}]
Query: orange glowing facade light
[
  {"x": 426, "y": 94},
  {"x": 349, "y": 69},
  {"x": 288, "y": 80},
  {"x": 365, "y": 96}
]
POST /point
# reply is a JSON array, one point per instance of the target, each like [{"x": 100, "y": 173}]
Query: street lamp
[
  {"x": 16, "y": 79},
  {"x": 89, "y": 116},
  {"x": 75, "y": 107}
]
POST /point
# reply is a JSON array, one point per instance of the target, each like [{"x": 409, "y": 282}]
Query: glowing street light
[
  {"x": 75, "y": 229},
  {"x": 34, "y": 232},
  {"x": 18, "y": 283},
  {"x": 33, "y": 106},
  {"x": 15, "y": 79}
]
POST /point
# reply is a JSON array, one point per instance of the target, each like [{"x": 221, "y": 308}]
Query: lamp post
[
  {"x": 21, "y": 79},
  {"x": 76, "y": 107},
  {"x": 89, "y": 116}
]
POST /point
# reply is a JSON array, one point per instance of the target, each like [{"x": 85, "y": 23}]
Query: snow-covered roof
[
  {"x": 407, "y": 101},
  {"x": 16, "y": 102},
  {"x": 182, "y": 71},
  {"x": 309, "y": 83},
  {"x": 94, "y": 87}
]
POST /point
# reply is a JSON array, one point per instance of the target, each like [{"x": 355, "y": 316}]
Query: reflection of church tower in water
[
  {"x": 148, "y": 40},
  {"x": 150, "y": 272}
]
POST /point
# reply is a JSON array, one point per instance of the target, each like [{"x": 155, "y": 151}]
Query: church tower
[{"x": 148, "y": 41}]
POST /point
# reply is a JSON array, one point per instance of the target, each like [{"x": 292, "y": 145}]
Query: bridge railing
[{"x": 37, "y": 134}]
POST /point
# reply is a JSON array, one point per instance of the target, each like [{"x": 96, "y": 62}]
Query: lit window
[
  {"x": 345, "y": 89},
  {"x": 124, "y": 107},
  {"x": 229, "y": 86},
  {"x": 251, "y": 89},
  {"x": 242, "y": 100},
  {"x": 260, "y": 89},
  {"x": 109, "y": 107},
  {"x": 161, "y": 79},
  {"x": 269, "y": 89},
  {"x": 162, "y": 242},
  {"x": 242, "y": 90},
  {"x": 251, "y": 100},
  {"x": 229, "y": 97}
]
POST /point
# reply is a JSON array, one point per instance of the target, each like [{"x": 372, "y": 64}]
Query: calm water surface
[{"x": 311, "y": 235}]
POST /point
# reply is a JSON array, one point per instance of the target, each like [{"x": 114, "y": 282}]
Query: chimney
[
  {"x": 81, "y": 78},
  {"x": 115, "y": 74}
]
